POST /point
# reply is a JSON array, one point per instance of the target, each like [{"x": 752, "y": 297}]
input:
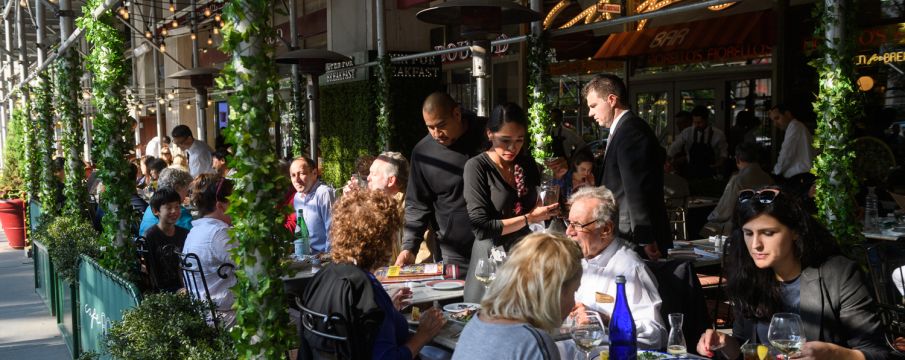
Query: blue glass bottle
[{"x": 623, "y": 335}]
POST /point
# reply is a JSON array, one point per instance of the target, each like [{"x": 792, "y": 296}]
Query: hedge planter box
[
  {"x": 67, "y": 313},
  {"x": 44, "y": 276},
  {"x": 103, "y": 297}
]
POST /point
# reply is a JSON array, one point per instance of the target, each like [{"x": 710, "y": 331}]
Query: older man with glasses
[{"x": 592, "y": 223}]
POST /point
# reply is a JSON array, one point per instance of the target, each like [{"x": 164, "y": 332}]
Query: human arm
[
  {"x": 726, "y": 206},
  {"x": 678, "y": 146},
  {"x": 816, "y": 350},
  {"x": 325, "y": 207},
  {"x": 784, "y": 160},
  {"x": 712, "y": 341},
  {"x": 418, "y": 211},
  {"x": 858, "y": 320}
]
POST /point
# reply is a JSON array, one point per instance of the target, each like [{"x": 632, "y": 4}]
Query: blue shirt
[
  {"x": 317, "y": 208},
  {"x": 393, "y": 333},
  {"x": 149, "y": 219}
]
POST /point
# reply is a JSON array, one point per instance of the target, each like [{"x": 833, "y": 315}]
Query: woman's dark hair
[
  {"x": 208, "y": 189},
  {"x": 164, "y": 196},
  {"x": 507, "y": 113},
  {"x": 580, "y": 157},
  {"x": 754, "y": 291}
]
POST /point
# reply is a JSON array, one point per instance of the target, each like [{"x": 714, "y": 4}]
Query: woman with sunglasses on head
[
  {"x": 209, "y": 239},
  {"x": 501, "y": 190},
  {"x": 780, "y": 260}
]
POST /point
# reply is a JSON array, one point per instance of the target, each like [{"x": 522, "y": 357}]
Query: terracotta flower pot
[{"x": 12, "y": 216}]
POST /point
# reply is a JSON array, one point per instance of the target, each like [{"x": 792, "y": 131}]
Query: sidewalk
[{"x": 27, "y": 331}]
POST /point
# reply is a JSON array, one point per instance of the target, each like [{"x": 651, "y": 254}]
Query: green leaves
[
  {"x": 538, "y": 108},
  {"x": 66, "y": 237},
  {"x": 43, "y": 98},
  {"x": 75, "y": 190},
  {"x": 384, "y": 126}
]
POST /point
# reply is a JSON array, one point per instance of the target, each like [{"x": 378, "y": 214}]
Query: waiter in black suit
[{"x": 632, "y": 166}]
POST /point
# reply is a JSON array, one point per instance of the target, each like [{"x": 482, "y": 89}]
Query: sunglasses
[{"x": 764, "y": 196}]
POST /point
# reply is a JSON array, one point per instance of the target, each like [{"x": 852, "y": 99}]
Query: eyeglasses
[
  {"x": 578, "y": 226},
  {"x": 764, "y": 196}
]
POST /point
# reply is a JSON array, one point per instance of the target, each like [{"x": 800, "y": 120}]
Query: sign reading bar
[
  {"x": 604, "y": 8},
  {"x": 715, "y": 54}
]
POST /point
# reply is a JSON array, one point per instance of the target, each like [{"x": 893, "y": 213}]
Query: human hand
[
  {"x": 351, "y": 185},
  {"x": 813, "y": 350},
  {"x": 405, "y": 257},
  {"x": 653, "y": 251},
  {"x": 401, "y": 298},
  {"x": 558, "y": 166},
  {"x": 543, "y": 212},
  {"x": 711, "y": 340},
  {"x": 432, "y": 321}
]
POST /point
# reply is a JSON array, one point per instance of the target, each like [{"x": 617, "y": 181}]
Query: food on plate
[
  {"x": 465, "y": 315},
  {"x": 416, "y": 314}
]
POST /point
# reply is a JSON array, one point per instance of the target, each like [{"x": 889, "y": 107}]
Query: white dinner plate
[
  {"x": 459, "y": 307},
  {"x": 446, "y": 284}
]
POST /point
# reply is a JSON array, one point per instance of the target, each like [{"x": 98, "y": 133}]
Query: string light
[
  {"x": 163, "y": 31},
  {"x": 204, "y": 50},
  {"x": 170, "y": 106},
  {"x": 161, "y": 101},
  {"x": 210, "y": 102},
  {"x": 172, "y": 7},
  {"x": 172, "y": 94},
  {"x": 720, "y": 6},
  {"x": 217, "y": 18},
  {"x": 193, "y": 35},
  {"x": 163, "y": 47},
  {"x": 207, "y": 12},
  {"x": 23, "y": 3},
  {"x": 216, "y": 30},
  {"x": 148, "y": 34},
  {"x": 188, "y": 105},
  {"x": 175, "y": 23},
  {"x": 210, "y": 41}
]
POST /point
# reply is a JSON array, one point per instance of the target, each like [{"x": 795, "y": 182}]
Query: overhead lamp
[
  {"x": 210, "y": 41},
  {"x": 210, "y": 102},
  {"x": 161, "y": 101},
  {"x": 172, "y": 7},
  {"x": 207, "y": 12},
  {"x": 170, "y": 106},
  {"x": 188, "y": 105},
  {"x": 204, "y": 50},
  {"x": 193, "y": 35},
  {"x": 172, "y": 94},
  {"x": 216, "y": 30},
  {"x": 217, "y": 18},
  {"x": 148, "y": 34},
  {"x": 163, "y": 47},
  {"x": 175, "y": 23},
  {"x": 163, "y": 31}
]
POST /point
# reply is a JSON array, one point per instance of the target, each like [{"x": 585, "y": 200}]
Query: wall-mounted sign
[
  {"x": 669, "y": 38},
  {"x": 713, "y": 55},
  {"x": 605, "y": 8},
  {"x": 880, "y": 58},
  {"x": 425, "y": 67},
  {"x": 466, "y": 54},
  {"x": 344, "y": 71}
]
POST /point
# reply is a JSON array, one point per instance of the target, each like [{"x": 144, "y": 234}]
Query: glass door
[
  {"x": 707, "y": 93},
  {"x": 652, "y": 103}
]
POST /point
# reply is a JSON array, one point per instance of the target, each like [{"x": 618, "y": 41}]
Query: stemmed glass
[
  {"x": 485, "y": 272},
  {"x": 785, "y": 333},
  {"x": 588, "y": 332}
]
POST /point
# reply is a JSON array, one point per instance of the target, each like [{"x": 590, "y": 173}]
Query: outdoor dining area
[{"x": 302, "y": 201}]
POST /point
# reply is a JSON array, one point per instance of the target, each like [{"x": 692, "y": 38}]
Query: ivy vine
[
  {"x": 384, "y": 108},
  {"x": 32, "y": 151},
  {"x": 67, "y": 90},
  {"x": 299, "y": 109},
  {"x": 262, "y": 325},
  {"x": 43, "y": 98},
  {"x": 837, "y": 105},
  {"x": 107, "y": 63},
  {"x": 538, "y": 88}
]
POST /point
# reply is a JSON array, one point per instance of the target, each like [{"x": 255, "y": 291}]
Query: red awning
[{"x": 742, "y": 29}]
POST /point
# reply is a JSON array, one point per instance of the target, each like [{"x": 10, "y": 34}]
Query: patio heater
[
  {"x": 201, "y": 78},
  {"x": 312, "y": 63},
  {"x": 480, "y": 21}
]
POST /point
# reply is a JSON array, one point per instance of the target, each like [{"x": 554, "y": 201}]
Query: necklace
[{"x": 508, "y": 172}]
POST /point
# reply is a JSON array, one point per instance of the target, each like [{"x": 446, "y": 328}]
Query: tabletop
[
  {"x": 704, "y": 252},
  {"x": 885, "y": 234},
  {"x": 423, "y": 294},
  {"x": 701, "y": 202}
]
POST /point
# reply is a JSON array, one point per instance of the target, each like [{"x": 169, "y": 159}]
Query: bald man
[{"x": 434, "y": 191}]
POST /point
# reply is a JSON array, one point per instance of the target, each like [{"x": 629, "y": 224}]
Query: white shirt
[
  {"x": 796, "y": 154},
  {"x": 599, "y": 275},
  {"x": 209, "y": 239},
  {"x": 686, "y": 139},
  {"x": 151, "y": 148},
  {"x": 200, "y": 160},
  {"x": 613, "y": 126},
  {"x": 317, "y": 209}
]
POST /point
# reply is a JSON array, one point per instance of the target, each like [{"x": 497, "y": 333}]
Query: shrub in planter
[
  {"x": 168, "y": 326},
  {"x": 12, "y": 183},
  {"x": 66, "y": 237}
]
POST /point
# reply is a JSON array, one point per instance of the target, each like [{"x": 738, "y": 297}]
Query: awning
[{"x": 747, "y": 29}]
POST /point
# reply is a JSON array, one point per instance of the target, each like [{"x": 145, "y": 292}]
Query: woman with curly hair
[
  {"x": 364, "y": 228},
  {"x": 780, "y": 260}
]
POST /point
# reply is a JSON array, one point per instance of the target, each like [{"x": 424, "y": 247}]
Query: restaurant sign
[
  {"x": 466, "y": 54},
  {"x": 346, "y": 71},
  {"x": 880, "y": 58},
  {"x": 711, "y": 55}
]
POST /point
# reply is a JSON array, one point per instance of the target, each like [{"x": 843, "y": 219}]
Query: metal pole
[
  {"x": 40, "y": 31},
  {"x": 157, "y": 94},
  {"x": 313, "y": 94},
  {"x": 482, "y": 71},
  {"x": 381, "y": 31},
  {"x": 296, "y": 76},
  {"x": 7, "y": 27},
  {"x": 23, "y": 54},
  {"x": 200, "y": 92}
]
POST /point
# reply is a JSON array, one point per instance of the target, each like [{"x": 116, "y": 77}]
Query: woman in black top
[{"x": 501, "y": 190}]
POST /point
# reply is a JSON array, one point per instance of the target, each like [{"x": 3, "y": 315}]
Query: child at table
[{"x": 164, "y": 239}]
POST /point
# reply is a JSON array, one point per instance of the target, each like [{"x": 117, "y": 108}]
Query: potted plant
[{"x": 12, "y": 184}]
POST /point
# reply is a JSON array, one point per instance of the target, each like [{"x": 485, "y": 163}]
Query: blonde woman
[{"x": 532, "y": 294}]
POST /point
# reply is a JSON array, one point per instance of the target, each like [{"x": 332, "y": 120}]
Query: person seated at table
[
  {"x": 178, "y": 181},
  {"x": 162, "y": 239},
  {"x": 364, "y": 226},
  {"x": 750, "y": 176},
  {"x": 388, "y": 173},
  {"x": 155, "y": 167},
  {"x": 531, "y": 296},
  {"x": 315, "y": 199},
  {"x": 781, "y": 260},
  {"x": 501, "y": 190},
  {"x": 580, "y": 174},
  {"x": 592, "y": 223},
  {"x": 209, "y": 239}
]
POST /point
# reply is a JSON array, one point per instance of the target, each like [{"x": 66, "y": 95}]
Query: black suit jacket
[{"x": 633, "y": 170}]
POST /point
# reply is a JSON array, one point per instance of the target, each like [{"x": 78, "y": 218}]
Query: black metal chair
[
  {"x": 680, "y": 292},
  {"x": 192, "y": 271},
  {"x": 327, "y": 329},
  {"x": 886, "y": 262}
]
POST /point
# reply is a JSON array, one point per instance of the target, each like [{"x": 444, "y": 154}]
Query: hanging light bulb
[
  {"x": 217, "y": 18},
  {"x": 163, "y": 31},
  {"x": 216, "y": 30},
  {"x": 204, "y": 50},
  {"x": 188, "y": 105},
  {"x": 175, "y": 23},
  {"x": 163, "y": 47},
  {"x": 170, "y": 106},
  {"x": 172, "y": 7},
  {"x": 207, "y": 12},
  {"x": 210, "y": 41},
  {"x": 161, "y": 101},
  {"x": 210, "y": 102},
  {"x": 148, "y": 34},
  {"x": 193, "y": 36},
  {"x": 23, "y": 3},
  {"x": 172, "y": 94}
]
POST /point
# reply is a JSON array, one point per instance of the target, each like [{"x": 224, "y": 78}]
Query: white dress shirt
[
  {"x": 209, "y": 239},
  {"x": 796, "y": 154},
  {"x": 686, "y": 139},
  {"x": 613, "y": 126},
  {"x": 599, "y": 275},
  {"x": 200, "y": 160},
  {"x": 151, "y": 149}
]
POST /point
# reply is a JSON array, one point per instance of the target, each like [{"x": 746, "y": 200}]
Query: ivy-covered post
[
  {"x": 538, "y": 109},
  {"x": 32, "y": 152},
  {"x": 112, "y": 126},
  {"x": 43, "y": 97},
  {"x": 384, "y": 125},
  {"x": 75, "y": 190},
  {"x": 262, "y": 324},
  {"x": 836, "y": 106}
]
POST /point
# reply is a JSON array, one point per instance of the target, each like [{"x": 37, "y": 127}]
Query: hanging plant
[
  {"x": 299, "y": 108},
  {"x": 837, "y": 105},
  {"x": 538, "y": 88},
  {"x": 262, "y": 325},
  {"x": 384, "y": 125},
  {"x": 32, "y": 154},
  {"x": 107, "y": 63},
  {"x": 43, "y": 97},
  {"x": 75, "y": 190}
]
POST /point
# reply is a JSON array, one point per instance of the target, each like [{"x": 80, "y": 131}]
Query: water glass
[
  {"x": 785, "y": 333},
  {"x": 675, "y": 345},
  {"x": 588, "y": 332},
  {"x": 485, "y": 272}
]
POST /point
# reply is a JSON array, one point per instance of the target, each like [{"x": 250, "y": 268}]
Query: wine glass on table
[
  {"x": 588, "y": 332},
  {"x": 485, "y": 272},
  {"x": 785, "y": 333}
]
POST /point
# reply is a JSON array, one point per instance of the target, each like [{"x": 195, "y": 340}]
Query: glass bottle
[
  {"x": 675, "y": 345},
  {"x": 623, "y": 335},
  {"x": 302, "y": 239},
  {"x": 871, "y": 212}
]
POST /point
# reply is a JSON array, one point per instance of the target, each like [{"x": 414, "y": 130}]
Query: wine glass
[
  {"x": 485, "y": 272},
  {"x": 588, "y": 332},
  {"x": 785, "y": 333}
]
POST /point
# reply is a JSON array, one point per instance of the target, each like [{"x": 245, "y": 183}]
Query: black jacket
[
  {"x": 633, "y": 170},
  {"x": 836, "y": 307},
  {"x": 435, "y": 189}
]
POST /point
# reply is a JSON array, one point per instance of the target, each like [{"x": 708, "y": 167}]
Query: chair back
[
  {"x": 677, "y": 223},
  {"x": 148, "y": 280},
  {"x": 195, "y": 283},
  {"x": 680, "y": 292},
  {"x": 886, "y": 265},
  {"x": 322, "y": 336}
]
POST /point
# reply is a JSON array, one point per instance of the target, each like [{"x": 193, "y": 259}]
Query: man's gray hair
[
  {"x": 396, "y": 165},
  {"x": 174, "y": 179},
  {"x": 606, "y": 209}
]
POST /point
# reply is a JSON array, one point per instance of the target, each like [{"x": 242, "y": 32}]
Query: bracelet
[{"x": 526, "y": 220}]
